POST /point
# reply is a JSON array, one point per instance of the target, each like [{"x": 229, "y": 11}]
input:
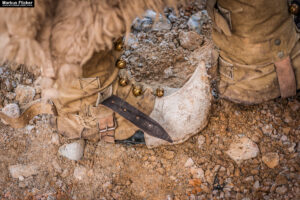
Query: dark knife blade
[{"x": 138, "y": 118}]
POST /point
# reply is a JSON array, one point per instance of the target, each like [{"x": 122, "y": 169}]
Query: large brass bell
[
  {"x": 294, "y": 9},
  {"x": 137, "y": 90},
  {"x": 160, "y": 92},
  {"x": 123, "y": 82},
  {"x": 121, "y": 64}
]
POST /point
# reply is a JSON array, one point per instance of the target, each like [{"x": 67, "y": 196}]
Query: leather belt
[
  {"x": 138, "y": 118},
  {"x": 34, "y": 108}
]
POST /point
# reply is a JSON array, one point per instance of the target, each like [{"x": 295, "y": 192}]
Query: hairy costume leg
[{"x": 20, "y": 29}]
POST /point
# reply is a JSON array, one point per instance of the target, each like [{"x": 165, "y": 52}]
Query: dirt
[
  {"x": 157, "y": 58},
  {"x": 158, "y": 64},
  {"x": 135, "y": 172}
]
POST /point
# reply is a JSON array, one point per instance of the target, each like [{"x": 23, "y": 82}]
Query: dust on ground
[
  {"x": 159, "y": 47},
  {"x": 197, "y": 169}
]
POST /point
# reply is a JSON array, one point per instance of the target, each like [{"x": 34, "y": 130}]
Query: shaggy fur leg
[
  {"x": 19, "y": 30},
  {"x": 73, "y": 37}
]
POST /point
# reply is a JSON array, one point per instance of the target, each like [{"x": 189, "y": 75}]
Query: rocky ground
[
  {"x": 158, "y": 48},
  {"x": 245, "y": 152}
]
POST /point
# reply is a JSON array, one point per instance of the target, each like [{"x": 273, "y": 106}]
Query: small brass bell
[
  {"x": 137, "y": 90},
  {"x": 160, "y": 92},
  {"x": 123, "y": 82},
  {"x": 121, "y": 64},
  {"x": 294, "y": 9},
  {"x": 119, "y": 46}
]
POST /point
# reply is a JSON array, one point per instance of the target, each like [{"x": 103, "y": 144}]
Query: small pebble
[
  {"x": 256, "y": 185},
  {"x": 271, "y": 159},
  {"x": 11, "y": 110},
  {"x": 24, "y": 94},
  {"x": 242, "y": 149},
  {"x": 189, "y": 163},
  {"x": 201, "y": 141},
  {"x": 281, "y": 190},
  {"x": 55, "y": 139},
  {"x": 80, "y": 173}
]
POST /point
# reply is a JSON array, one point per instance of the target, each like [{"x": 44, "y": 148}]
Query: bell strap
[
  {"x": 286, "y": 77},
  {"x": 34, "y": 108}
]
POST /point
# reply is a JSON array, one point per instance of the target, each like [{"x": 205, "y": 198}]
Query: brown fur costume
[{"x": 60, "y": 36}]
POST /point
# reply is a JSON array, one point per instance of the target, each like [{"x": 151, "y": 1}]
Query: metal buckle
[{"x": 106, "y": 129}]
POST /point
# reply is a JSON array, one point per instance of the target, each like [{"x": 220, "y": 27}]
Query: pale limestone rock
[
  {"x": 19, "y": 171},
  {"x": 72, "y": 151},
  {"x": 242, "y": 149}
]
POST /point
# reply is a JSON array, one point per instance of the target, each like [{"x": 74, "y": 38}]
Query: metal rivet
[
  {"x": 277, "y": 42},
  {"x": 160, "y": 92},
  {"x": 137, "y": 90},
  {"x": 121, "y": 64}
]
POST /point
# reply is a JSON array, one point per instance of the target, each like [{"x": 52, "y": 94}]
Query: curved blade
[{"x": 138, "y": 118}]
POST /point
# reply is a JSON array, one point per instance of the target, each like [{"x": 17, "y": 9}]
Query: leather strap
[
  {"x": 286, "y": 77},
  {"x": 220, "y": 22},
  {"x": 137, "y": 117},
  {"x": 34, "y": 108},
  {"x": 104, "y": 86}
]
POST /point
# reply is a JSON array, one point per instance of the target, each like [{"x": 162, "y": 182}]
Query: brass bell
[
  {"x": 123, "y": 82},
  {"x": 137, "y": 90},
  {"x": 121, "y": 64},
  {"x": 119, "y": 46},
  {"x": 160, "y": 92},
  {"x": 294, "y": 9}
]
